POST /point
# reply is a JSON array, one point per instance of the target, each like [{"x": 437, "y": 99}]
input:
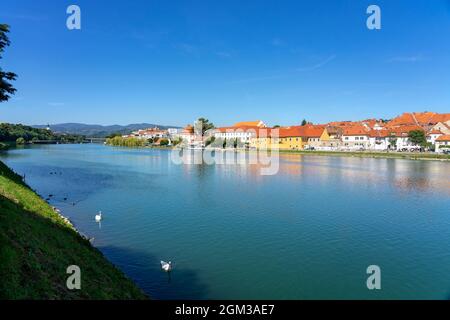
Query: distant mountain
[{"x": 96, "y": 130}]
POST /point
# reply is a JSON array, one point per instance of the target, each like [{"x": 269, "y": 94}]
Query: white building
[
  {"x": 174, "y": 132},
  {"x": 433, "y": 135},
  {"x": 379, "y": 140},
  {"x": 442, "y": 143},
  {"x": 355, "y": 138},
  {"x": 401, "y": 134},
  {"x": 231, "y": 133},
  {"x": 241, "y": 131}
]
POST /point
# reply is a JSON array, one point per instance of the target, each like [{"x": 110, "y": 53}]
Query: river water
[{"x": 308, "y": 232}]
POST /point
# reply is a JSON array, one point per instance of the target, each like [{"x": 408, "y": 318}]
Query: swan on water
[
  {"x": 98, "y": 217},
  {"x": 166, "y": 266}
]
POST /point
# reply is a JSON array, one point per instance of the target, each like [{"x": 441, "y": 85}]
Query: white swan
[
  {"x": 166, "y": 266},
  {"x": 98, "y": 217}
]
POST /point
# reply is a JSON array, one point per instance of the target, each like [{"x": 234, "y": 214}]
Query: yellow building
[
  {"x": 265, "y": 138},
  {"x": 292, "y": 138}
]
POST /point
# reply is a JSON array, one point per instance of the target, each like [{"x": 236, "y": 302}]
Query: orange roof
[
  {"x": 313, "y": 131},
  {"x": 445, "y": 137},
  {"x": 378, "y": 133},
  {"x": 257, "y": 123},
  {"x": 356, "y": 130},
  {"x": 435, "y": 131},
  {"x": 188, "y": 129},
  {"x": 290, "y": 132},
  {"x": 404, "y": 130},
  {"x": 419, "y": 118},
  {"x": 307, "y": 131},
  {"x": 343, "y": 123}
]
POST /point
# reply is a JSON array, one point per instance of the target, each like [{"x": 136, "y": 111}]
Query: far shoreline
[{"x": 360, "y": 154}]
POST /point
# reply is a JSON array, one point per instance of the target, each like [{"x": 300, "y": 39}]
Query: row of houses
[{"x": 369, "y": 134}]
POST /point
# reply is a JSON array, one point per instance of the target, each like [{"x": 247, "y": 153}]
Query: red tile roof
[
  {"x": 188, "y": 129},
  {"x": 356, "y": 130},
  {"x": 378, "y": 133},
  {"x": 419, "y": 118},
  {"x": 434, "y": 131},
  {"x": 257, "y": 123},
  {"x": 403, "y": 130},
  {"x": 307, "y": 131},
  {"x": 445, "y": 137}
]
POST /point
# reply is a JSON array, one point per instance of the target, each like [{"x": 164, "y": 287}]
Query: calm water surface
[{"x": 309, "y": 231}]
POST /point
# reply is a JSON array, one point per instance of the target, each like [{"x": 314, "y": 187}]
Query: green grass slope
[{"x": 37, "y": 246}]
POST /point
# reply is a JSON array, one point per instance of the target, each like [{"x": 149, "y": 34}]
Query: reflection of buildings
[{"x": 344, "y": 175}]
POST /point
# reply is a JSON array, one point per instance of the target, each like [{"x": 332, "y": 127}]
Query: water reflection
[{"x": 311, "y": 229}]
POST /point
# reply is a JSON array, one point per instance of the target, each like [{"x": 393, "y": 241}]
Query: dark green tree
[
  {"x": 204, "y": 125},
  {"x": 393, "y": 142},
  {"x": 20, "y": 140},
  {"x": 6, "y": 88},
  {"x": 114, "y": 134},
  {"x": 417, "y": 137},
  {"x": 210, "y": 141},
  {"x": 164, "y": 142},
  {"x": 304, "y": 122}
]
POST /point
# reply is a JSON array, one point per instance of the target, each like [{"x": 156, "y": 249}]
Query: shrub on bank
[{"x": 126, "y": 142}]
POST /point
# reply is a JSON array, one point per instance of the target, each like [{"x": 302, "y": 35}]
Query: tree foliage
[
  {"x": 11, "y": 132},
  {"x": 126, "y": 142},
  {"x": 20, "y": 140},
  {"x": 417, "y": 137},
  {"x": 164, "y": 142},
  {"x": 6, "y": 88},
  {"x": 205, "y": 125}
]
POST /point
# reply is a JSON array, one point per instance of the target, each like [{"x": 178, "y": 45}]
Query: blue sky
[{"x": 170, "y": 62}]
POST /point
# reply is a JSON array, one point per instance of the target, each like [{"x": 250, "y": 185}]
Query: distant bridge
[{"x": 95, "y": 140}]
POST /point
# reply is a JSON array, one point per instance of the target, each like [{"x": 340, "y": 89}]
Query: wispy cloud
[
  {"x": 410, "y": 59},
  {"x": 224, "y": 54},
  {"x": 276, "y": 42},
  {"x": 288, "y": 73},
  {"x": 187, "y": 48},
  {"x": 262, "y": 78},
  {"x": 56, "y": 104},
  {"x": 318, "y": 65}
]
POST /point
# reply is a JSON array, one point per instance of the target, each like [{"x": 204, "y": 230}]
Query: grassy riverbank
[{"x": 37, "y": 246}]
